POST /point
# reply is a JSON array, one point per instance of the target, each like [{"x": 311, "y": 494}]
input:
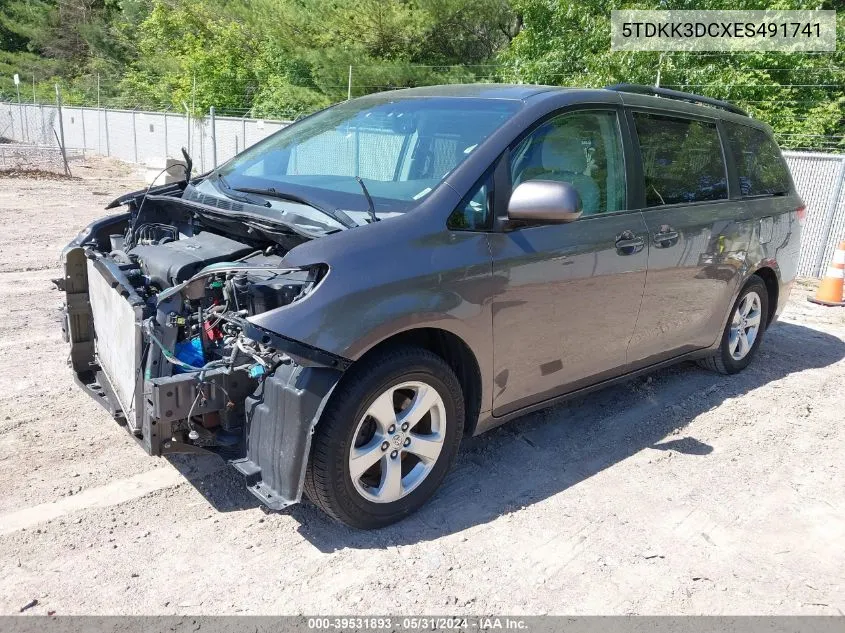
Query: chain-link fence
[
  {"x": 150, "y": 137},
  {"x": 132, "y": 135},
  {"x": 820, "y": 179}
]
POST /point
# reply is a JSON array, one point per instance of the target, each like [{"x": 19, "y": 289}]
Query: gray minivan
[{"x": 333, "y": 309}]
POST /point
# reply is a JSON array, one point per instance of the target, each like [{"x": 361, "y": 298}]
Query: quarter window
[
  {"x": 581, "y": 148},
  {"x": 682, "y": 160},
  {"x": 759, "y": 164},
  {"x": 473, "y": 213}
]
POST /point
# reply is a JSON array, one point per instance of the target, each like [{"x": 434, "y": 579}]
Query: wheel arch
[
  {"x": 457, "y": 354},
  {"x": 770, "y": 278}
]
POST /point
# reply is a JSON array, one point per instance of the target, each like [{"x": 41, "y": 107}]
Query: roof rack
[{"x": 676, "y": 94}]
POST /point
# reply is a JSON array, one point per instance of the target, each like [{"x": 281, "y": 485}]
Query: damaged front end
[{"x": 158, "y": 312}]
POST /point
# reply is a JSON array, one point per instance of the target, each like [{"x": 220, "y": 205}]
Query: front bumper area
[
  {"x": 261, "y": 426},
  {"x": 280, "y": 418}
]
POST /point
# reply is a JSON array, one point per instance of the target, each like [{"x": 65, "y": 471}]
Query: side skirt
[{"x": 490, "y": 421}]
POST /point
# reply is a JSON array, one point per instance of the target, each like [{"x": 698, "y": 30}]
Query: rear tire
[
  {"x": 744, "y": 330},
  {"x": 370, "y": 410}
]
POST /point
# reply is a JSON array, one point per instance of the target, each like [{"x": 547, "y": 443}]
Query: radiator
[{"x": 117, "y": 334}]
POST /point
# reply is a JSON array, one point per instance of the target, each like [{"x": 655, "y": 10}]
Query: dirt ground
[{"x": 683, "y": 492}]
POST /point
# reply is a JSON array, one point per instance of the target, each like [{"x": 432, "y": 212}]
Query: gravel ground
[{"x": 683, "y": 492}]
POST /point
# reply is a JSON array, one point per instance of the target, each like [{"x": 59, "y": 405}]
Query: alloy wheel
[
  {"x": 745, "y": 325},
  {"x": 397, "y": 442}
]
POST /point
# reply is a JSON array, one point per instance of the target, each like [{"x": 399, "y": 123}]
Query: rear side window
[
  {"x": 682, "y": 160},
  {"x": 759, "y": 164}
]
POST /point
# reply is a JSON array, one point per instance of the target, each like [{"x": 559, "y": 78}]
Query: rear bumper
[
  {"x": 784, "y": 291},
  {"x": 262, "y": 428}
]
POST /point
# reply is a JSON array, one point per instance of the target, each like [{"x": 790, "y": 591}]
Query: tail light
[{"x": 801, "y": 214}]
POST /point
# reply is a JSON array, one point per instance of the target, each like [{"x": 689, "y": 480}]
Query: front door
[{"x": 570, "y": 292}]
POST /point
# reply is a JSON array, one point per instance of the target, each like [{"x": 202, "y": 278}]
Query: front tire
[
  {"x": 386, "y": 439},
  {"x": 744, "y": 331}
]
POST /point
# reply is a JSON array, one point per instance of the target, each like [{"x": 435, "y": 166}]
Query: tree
[
  {"x": 567, "y": 42},
  {"x": 188, "y": 54},
  {"x": 282, "y": 58}
]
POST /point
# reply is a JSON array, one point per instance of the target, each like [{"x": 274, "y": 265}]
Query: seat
[{"x": 561, "y": 157}]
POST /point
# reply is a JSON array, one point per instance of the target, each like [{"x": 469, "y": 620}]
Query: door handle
[
  {"x": 628, "y": 243},
  {"x": 666, "y": 237}
]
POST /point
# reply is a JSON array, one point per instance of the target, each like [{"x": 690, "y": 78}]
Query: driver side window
[{"x": 581, "y": 148}]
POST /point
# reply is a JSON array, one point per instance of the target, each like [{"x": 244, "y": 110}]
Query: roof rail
[{"x": 676, "y": 94}]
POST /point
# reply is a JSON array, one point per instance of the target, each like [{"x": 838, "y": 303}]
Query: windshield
[{"x": 402, "y": 148}]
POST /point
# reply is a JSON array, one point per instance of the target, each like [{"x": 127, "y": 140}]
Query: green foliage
[
  {"x": 278, "y": 98},
  {"x": 284, "y": 58},
  {"x": 190, "y": 56},
  {"x": 567, "y": 42},
  {"x": 277, "y": 57}
]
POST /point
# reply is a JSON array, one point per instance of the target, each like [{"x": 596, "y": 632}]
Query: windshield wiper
[
  {"x": 372, "y": 209},
  {"x": 230, "y": 193},
  {"x": 335, "y": 214}
]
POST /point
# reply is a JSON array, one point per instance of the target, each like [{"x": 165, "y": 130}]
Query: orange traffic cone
[{"x": 830, "y": 292}]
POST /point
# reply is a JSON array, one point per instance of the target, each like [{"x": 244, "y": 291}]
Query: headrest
[{"x": 563, "y": 152}]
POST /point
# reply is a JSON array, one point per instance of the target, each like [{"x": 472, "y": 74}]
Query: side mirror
[{"x": 544, "y": 201}]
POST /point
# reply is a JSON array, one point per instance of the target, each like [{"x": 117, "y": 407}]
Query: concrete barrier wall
[{"x": 135, "y": 136}]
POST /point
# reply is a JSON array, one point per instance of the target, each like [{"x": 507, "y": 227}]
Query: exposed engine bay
[{"x": 158, "y": 313}]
